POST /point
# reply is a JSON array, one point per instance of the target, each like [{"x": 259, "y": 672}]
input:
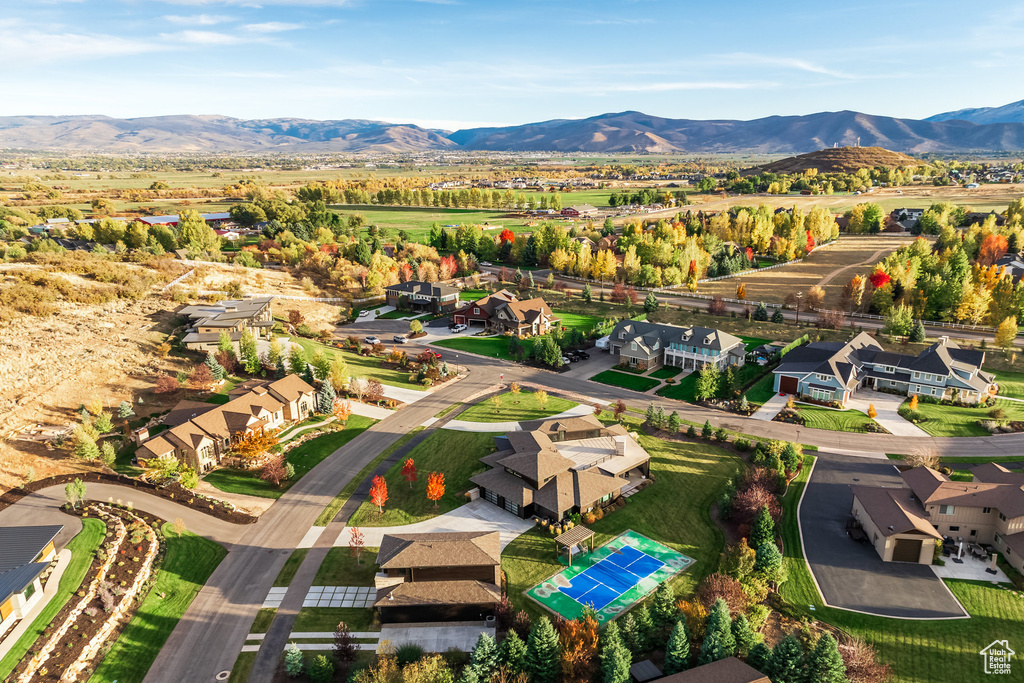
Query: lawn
[
  {"x": 665, "y": 372},
  {"x": 339, "y": 568},
  {"x": 291, "y": 566},
  {"x": 454, "y": 454},
  {"x": 516, "y": 407},
  {"x": 472, "y": 294},
  {"x": 685, "y": 388},
  {"x": 682, "y": 522},
  {"x": 492, "y": 347},
  {"x": 578, "y": 321},
  {"x": 818, "y": 417},
  {"x": 1010, "y": 383},
  {"x": 188, "y": 564},
  {"x": 303, "y": 458},
  {"x": 946, "y": 420},
  {"x": 752, "y": 343},
  {"x": 762, "y": 390},
  {"x": 327, "y": 619},
  {"x": 417, "y": 220},
  {"x": 82, "y": 548},
  {"x": 367, "y": 367},
  {"x": 621, "y": 379},
  {"x": 918, "y": 650}
]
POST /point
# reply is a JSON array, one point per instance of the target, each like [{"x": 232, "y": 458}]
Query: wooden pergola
[{"x": 573, "y": 537}]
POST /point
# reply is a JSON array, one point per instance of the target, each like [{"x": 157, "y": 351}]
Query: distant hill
[
  {"x": 628, "y": 132},
  {"x": 1008, "y": 113},
  {"x": 837, "y": 159}
]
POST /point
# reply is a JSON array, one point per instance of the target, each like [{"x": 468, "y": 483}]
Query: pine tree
[
  {"x": 512, "y": 653},
  {"x": 630, "y": 635},
  {"x": 650, "y": 303},
  {"x": 124, "y": 410},
  {"x": 917, "y": 333},
  {"x": 744, "y": 635},
  {"x": 586, "y": 295},
  {"x": 786, "y": 664},
  {"x": 542, "y": 655},
  {"x": 484, "y": 659},
  {"x": 216, "y": 369},
  {"x": 769, "y": 561},
  {"x": 644, "y": 627},
  {"x": 777, "y": 316},
  {"x": 663, "y": 608},
  {"x": 518, "y": 277},
  {"x": 674, "y": 422},
  {"x": 307, "y": 375},
  {"x": 761, "y": 313},
  {"x": 763, "y": 528},
  {"x": 279, "y": 371},
  {"x": 759, "y": 657},
  {"x": 706, "y": 431},
  {"x": 659, "y": 417},
  {"x": 325, "y": 399},
  {"x": 293, "y": 660},
  {"x": 824, "y": 663},
  {"x": 615, "y": 659},
  {"x": 677, "y": 652},
  {"x": 529, "y": 280},
  {"x": 719, "y": 642},
  {"x": 651, "y": 414}
]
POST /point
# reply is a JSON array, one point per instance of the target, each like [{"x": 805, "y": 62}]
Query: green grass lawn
[
  {"x": 665, "y": 372},
  {"x": 455, "y": 454},
  {"x": 958, "y": 421},
  {"x": 762, "y": 390},
  {"x": 578, "y": 321},
  {"x": 685, "y": 389},
  {"x": 416, "y": 220},
  {"x": 327, "y": 619},
  {"x": 626, "y": 381},
  {"x": 818, "y": 417},
  {"x": 752, "y": 343},
  {"x": 1010, "y": 383},
  {"x": 291, "y": 565},
  {"x": 516, "y": 407},
  {"x": 659, "y": 512},
  {"x": 339, "y": 568},
  {"x": 492, "y": 347},
  {"x": 367, "y": 367},
  {"x": 82, "y": 547},
  {"x": 303, "y": 458},
  {"x": 918, "y": 650},
  {"x": 261, "y": 624},
  {"x": 188, "y": 564},
  {"x": 472, "y": 294}
]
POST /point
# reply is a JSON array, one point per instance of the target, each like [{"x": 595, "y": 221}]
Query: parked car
[
  {"x": 566, "y": 360},
  {"x": 363, "y": 314},
  {"x": 582, "y": 355},
  {"x": 485, "y": 263},
  {"x": 459, "y": 328},
  {"x": 400, "y": 339},
  {"x": 371, "y": 340}
]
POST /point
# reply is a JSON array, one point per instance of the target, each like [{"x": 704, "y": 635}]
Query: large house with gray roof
[
  {"x": 645, "y": 345},
  {"x": 25, "y": 553},
  {"x": 423, "y": 297},
  {"x": 834, "y": 371},
  {"x": 207, "y": 321}
]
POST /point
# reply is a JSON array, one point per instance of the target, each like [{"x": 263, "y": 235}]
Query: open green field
[
  {"x": 303, "y": 458},
  {"x": 919, "y": 651},
  {"x": 819, "y": 417},
  {"x": 454, "y": 454},
  {"x": 625, "y": 380},
  {"x": 366, "y": 367},
  {"x": 417, "y": 220},
  {"x": 958, "y": 421},
  {"x": 516, "y": 407},
  {"x": 682, "y": 523},
  {"x": 188, "y": 564},
  {"x": 82, "y": 547}
]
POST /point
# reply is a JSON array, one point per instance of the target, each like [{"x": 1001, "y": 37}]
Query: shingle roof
[
  {"x": 526, "y": 311},
  {"x": 728, "y": 670},
  {"x": 934, "y": 488},
  {"x": 490, "y": 302},
  {"x": 21, "y": 544},
  {"x": 425, "y": 593},
  {"x": 443, "y": 549},
  {"x": 894, "y": 510},
  {"x": 437, "y": 289},
  {"x": 647, "y": 333}
]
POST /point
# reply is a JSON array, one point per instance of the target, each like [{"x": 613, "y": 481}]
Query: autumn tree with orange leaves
[
  {"x": 254, "y": 444},
  {"x": 579, "y": 648},
  {"x": 342, "y": 411},
  {"x": 379, "y": 493},
  {"x": 435, "y": 487},
  {"x": 409, "y": 471}
]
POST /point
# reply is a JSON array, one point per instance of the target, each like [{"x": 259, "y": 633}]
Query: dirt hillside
[{"x": 836, "y": 160}]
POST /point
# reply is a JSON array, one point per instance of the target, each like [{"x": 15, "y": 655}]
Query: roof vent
[{"x": 890, "y": 527}]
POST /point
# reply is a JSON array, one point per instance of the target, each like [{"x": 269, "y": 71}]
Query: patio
[{"x": 969, "y": 568}]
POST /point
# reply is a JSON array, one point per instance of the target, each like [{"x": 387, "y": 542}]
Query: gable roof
[
  {"x": 410, "y": 593},
  {"x": 934, "y": 488},
  {"x": 442, "y": 549},
  {"x": 645, "y": 334},
  {"x": 525, "y": 311},
  {"x": 490, "y": 302},
  {"x": 435, "y": 289},
  {"x": 21, "y": 544},
  {"x": 728, "y": 670},
  {"x": 894, "y": 510}
]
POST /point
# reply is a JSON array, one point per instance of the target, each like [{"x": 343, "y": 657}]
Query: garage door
[
  {"x": 788, "y": 384},
  {"x": 906, "y": 550}
]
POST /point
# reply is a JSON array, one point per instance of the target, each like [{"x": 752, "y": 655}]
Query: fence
[
  {"x": 929, "y": 323},
  {"x": 177, "y": 280}
]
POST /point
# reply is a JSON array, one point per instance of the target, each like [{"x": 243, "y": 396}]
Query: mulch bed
[
  {"x": 175, "y": 492},
  {"x": 120, "y": 577}
]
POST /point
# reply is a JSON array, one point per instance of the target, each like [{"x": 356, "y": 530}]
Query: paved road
[{"x": 850, "y": 574}]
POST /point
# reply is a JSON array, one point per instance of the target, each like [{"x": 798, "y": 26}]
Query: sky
[{"x": 464, "y": 63}]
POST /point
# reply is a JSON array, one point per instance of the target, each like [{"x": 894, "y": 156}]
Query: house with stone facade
[
  {"x": 207, "y": 321},
  {"x": 423, "y": 297},
  {"x": 645, "y": 345}
]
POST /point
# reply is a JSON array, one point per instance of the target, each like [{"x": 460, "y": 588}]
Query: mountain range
[{"x": 967, "y": 130}]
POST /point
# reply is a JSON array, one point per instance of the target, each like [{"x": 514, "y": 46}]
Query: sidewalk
[{"x": 770, "y": 409}]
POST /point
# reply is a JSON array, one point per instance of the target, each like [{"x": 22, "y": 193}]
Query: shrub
[
  {"x": 409, "y": 653},
  {"x": 691, "y": 431},
  {"x": 721, "y": 435},
  {"x": 321, "y": 670},
  {"x": 742, "y": 445},
  {"x": 719, "y": 586},
  {"x": 995, "y": 414}
]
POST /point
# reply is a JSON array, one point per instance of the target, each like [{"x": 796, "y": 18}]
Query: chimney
[{"x": 620, "y": 445}]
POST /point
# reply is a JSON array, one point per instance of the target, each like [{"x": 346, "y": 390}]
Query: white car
[
  {"x": 372, "y": 340},
  {"x": 566, "y": 360},
  {"x": 485, "y": 263},
  {"x": 363, "y": 314},
  {"x": 460, "y": 328}
]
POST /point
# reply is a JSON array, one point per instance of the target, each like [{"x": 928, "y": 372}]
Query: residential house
[
  {"x": 728, "y": 670},
  {"x": 585, "y": 242},
  {"x": 207, "y": 321},
  {"x": 481, "y": 311},
  {"x": 430, "y": 297},
  {"x": 834, "y": 371},
  {"x": 608, "y": 242},
  {"x": 443, "y": 576},
  {"x": 650, "y": 345},
  {"x": 558, "y": 467},
  {"x": 202, "y": 437},
  {"x": 579, "y": 211},
  {"x": 172, "y": 220},
  {"x": 523, "y": 317},
  {"x": 26, "y": 552},
  {"x": 903, "y": 523}
]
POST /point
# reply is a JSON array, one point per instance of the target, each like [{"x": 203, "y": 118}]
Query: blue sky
[{"x": 457, "y": 63}]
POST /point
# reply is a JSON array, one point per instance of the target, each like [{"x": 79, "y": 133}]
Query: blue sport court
[{"x": 609, "y": 578}]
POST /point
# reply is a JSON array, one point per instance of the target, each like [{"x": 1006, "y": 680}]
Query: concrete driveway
[
  {"x": 887, "y": 407},
  {"x": 849, "y": 574}
]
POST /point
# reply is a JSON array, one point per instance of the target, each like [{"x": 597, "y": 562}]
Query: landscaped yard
[
  {"x": 188, "y": 564},
  {"x": 626, "y": 381},
  {"x": 366, "y": 367},
  {"x": 515, "y": 407},
  {"x": 685, "y": 388},
  {"x": 752, "y": 343},
  {"x": 946, "y": 420},
  {"x": 918, "y": 650},
  {"x": 578, "y": 321},
  {"x": 818, "y": 417},
  {"x": 492, "y": 347},
  {"x": 327, "y": 619},
  {"x": 339, "y": 568},
  {"x": 762, "y": 390},
  {"x": 82, "y": 548},
  {"x": 681, "y": 522},
  {"x": 1011, "y": 384},
  {"x": 665, "y": 372},
  {"x": 303, "y": 458},
  {"x": 454, "y": 454}
]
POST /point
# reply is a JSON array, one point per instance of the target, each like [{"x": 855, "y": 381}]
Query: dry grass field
[{"x": 830, "y": 268}]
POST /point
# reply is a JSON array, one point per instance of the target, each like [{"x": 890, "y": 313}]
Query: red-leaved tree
[
  {"x": 165, "y": 384},
  {"x": 435, "y": 487},
  {"x": 379, "y": 493},
  {"x": 992, "y": 249},
  {"x": 810, "y": 243},
  {"x": 879, "y": 278},
  {"x": 507, "y": 236},
  {"x": 409, "y": 471}
]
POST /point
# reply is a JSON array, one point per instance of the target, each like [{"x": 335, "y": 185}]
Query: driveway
[
  {"x": 434, "y": 637},
  {"x": 887, "y": 406},
  {"x": 849, "y": 574},
  {"x": 771, "y": 408}
]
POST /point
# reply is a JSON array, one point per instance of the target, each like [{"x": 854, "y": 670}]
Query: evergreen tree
[
  {"x": 777, "y": 316},
  {"x": 674, "y": 422},
  {"x": 518, "y": 277},
  {"x": 512, "y": 653},
  {"x": 325, "y": 399},
  {"x": 769, "y": 561},
  {"x": 763, "y": 528},
  {"x": 321, "y": 670},
  {"x": 293, "y": 660},
  {"x": 630, "y": 635},
  {"x": 250, "y": 356},
  {"x": 706, "y": 431},
  {"x": 216, "y": 369},
  {"x": 659, "y": 417},
  {"x": 786, "y": 664},
  {"x": 124, "y": 410},
  {"x": 651, "y": 415},
  {"x": 677, "y": 652},
  {"x": 917, "y": 333},
  {"x": 761, "y": 313},
  {"x": 650, "y": 303},
  {"x": 529, "y": 279},
  {"x": 279, "y": 371},
  {"x": 615, "y": 659},
  {"x": 542, "y": 652},
  {"x": 644, "y": 627},
  {"x": 484, "y": 659},
  {"x": 824, "y": 663},
  {"x": 586, "y": 295},
  {"x": 759, "y": 657},
  {"x": 307, "y": 375},
  {"x": 719, "y": 642},
  {"x": 663, "y": 608},
  {"x": 744, "y": 635},
  {"x": 790, "y": 457}
]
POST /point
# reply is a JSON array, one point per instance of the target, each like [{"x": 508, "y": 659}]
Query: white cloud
[
  {"x": 202, "y": 38},
  {"x": 197, "y": 19},
  {"x": 750, "y": 60},
  {"x": 272, "y": 27},
  {"x": 31, "y": 46}
]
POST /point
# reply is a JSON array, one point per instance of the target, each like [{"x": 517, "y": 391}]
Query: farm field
[
  {"x": 417, "y": 220},
  {"x": 831, "y": 268}
]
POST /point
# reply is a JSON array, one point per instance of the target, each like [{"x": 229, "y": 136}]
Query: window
[
  {"x": 953, "y": 528},
  {"x": 632, "y": 346},
  {"x": 917, "y": 375},
  {"x": 476, "y": 311},
  {"x": 986, "y": 510},
  {"x": 998, "y": 539},
  {"x": 1002, "y": 517},
  {"x": 947, "y": 509},
  {"x": 974, "y": 532},
  {"x": 821, "y": 395},
  {"x": 886, "y": 368},
  {"x": 823, "y": 378},
  {"x": 29, "y": 591}
]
